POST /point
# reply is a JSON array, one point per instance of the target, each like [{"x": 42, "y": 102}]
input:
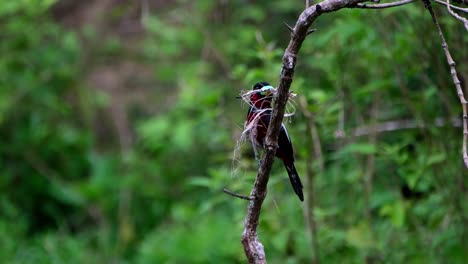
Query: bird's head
[{"x": 262, "y": 95}]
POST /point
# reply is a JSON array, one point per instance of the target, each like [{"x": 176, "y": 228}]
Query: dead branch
[
  {"x": 244, "y": 197},
  {"x": 396, "y": 125},
  {"x": 464, "y": 10},
  {"x": 404, "y": 2},
  {"x": 454, "y": 74},
  {"x": 314, "y": 135},
  {"x": 384, "y": 5},
  {"x": 252, "y": 246},
  {"x": 455, "y": 15},
  {"x": 310, "y": 201}
]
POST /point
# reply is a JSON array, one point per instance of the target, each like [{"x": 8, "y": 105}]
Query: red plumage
[{"x": 258, "y": 117}]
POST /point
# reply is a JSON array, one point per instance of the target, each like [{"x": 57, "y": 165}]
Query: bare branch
[
  {"x": 465, "y": 10},
  {"x": 368, "y": 177},
  {"x": 385, "y": 5},
  {"x": 310, "y": 201},
  {"x": 252, "y": 246},
  {"x": 289, "y": 27},
  {"x": 396, "y": 125},
  {"x": 248, "y": 198},
  {"x": 314, "y": 135},
  {"x": 455, "y": 15},
  {"x": 456, "y": 81},
  {"x": 404, "y": 2}
]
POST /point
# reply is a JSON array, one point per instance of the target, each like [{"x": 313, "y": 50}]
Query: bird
[{"x": 258, "y": 119}]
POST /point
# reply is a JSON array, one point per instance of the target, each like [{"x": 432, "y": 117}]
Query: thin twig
[
  {"x": 289, "y": 27},
  {"x": 368, "y": 177},
  {"x": 314, "y": 135},
  {"x": 310, "y": 202},
  {"x": 455, "y": 15},
  {"x": 456, "y": 81},
  {"x": 145, "y": 11},
  {"x": 308, "y": 32},
  {"x": 464, "y": 10},
  {"x": 385, "y": 5},
  {"x": 404, "y": 2},
  {"x": 245, "y": 197},
  {"x": 311, "y": 31},
  {"x": 396, "y": 125}
]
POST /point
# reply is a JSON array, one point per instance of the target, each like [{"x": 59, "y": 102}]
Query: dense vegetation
[{"x": 133, "y": 172}]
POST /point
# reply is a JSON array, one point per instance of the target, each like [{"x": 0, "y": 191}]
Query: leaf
[
  {"x": 360, "y": 148},
  {"x": 372, "y": 86},
  {"x": 182, "y": 135},
  {"x": 395, "y": 211},
  {"x": 200, "y": 181},
  {"x": 153, "y": 132},
  {"x": 436, "y": 158},
  {"x": 318, "y": 95},
  {"x": 360, "y": 236}
]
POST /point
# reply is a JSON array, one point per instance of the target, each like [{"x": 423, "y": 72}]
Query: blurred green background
[{"x": 118, "y": 124}]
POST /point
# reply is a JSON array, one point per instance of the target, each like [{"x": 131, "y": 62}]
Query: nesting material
[{"x": 250, "y": 128}]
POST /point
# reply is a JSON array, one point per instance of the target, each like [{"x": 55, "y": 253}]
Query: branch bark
[
  {"x": 456, "y": 81},
  {"x": 252, "y": 246}
]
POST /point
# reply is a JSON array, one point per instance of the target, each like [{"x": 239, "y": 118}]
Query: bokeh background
[{"x": 118, "y": 124}]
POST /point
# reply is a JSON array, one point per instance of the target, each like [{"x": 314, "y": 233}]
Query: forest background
[{"x": 119, "y": 120}]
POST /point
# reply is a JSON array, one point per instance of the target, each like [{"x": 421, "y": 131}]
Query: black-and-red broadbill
[{"x": 259, "y": 115}]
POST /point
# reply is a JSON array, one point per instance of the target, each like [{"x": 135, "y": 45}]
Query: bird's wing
[{"x": 285, "y": 145}]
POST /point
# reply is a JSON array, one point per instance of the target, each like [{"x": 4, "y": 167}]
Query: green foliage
[
  {"x": 70, "y": 195},
  {"x": 170, "y": 244},
  {"x": 43, "y": 150}
]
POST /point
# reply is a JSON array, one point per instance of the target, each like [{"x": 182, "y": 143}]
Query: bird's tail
[{"x": 294, "y": 178}]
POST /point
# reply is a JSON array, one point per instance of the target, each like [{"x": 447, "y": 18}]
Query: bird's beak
[{"x": 267, "y": 90}]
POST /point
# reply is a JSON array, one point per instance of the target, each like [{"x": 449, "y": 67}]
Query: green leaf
[
  {"x": 396, "y": 212},
  {"x": 360, "y": 236},
  {"x": 359, "y": 148},
  {"x": 200, "y": 181},
  {"x": 436, "y": 158}
]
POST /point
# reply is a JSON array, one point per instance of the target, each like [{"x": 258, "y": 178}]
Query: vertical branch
[
  {"x": 368, "y": 178},
  {"x": 316, "y": 143},
  {"x": 370, "y": 162},
  {"x": 456, "y": 81},
  {"x": 126, "y": 227},
  {"x": 310, "y": 202},
  {"x": 253, "y": 248}
]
